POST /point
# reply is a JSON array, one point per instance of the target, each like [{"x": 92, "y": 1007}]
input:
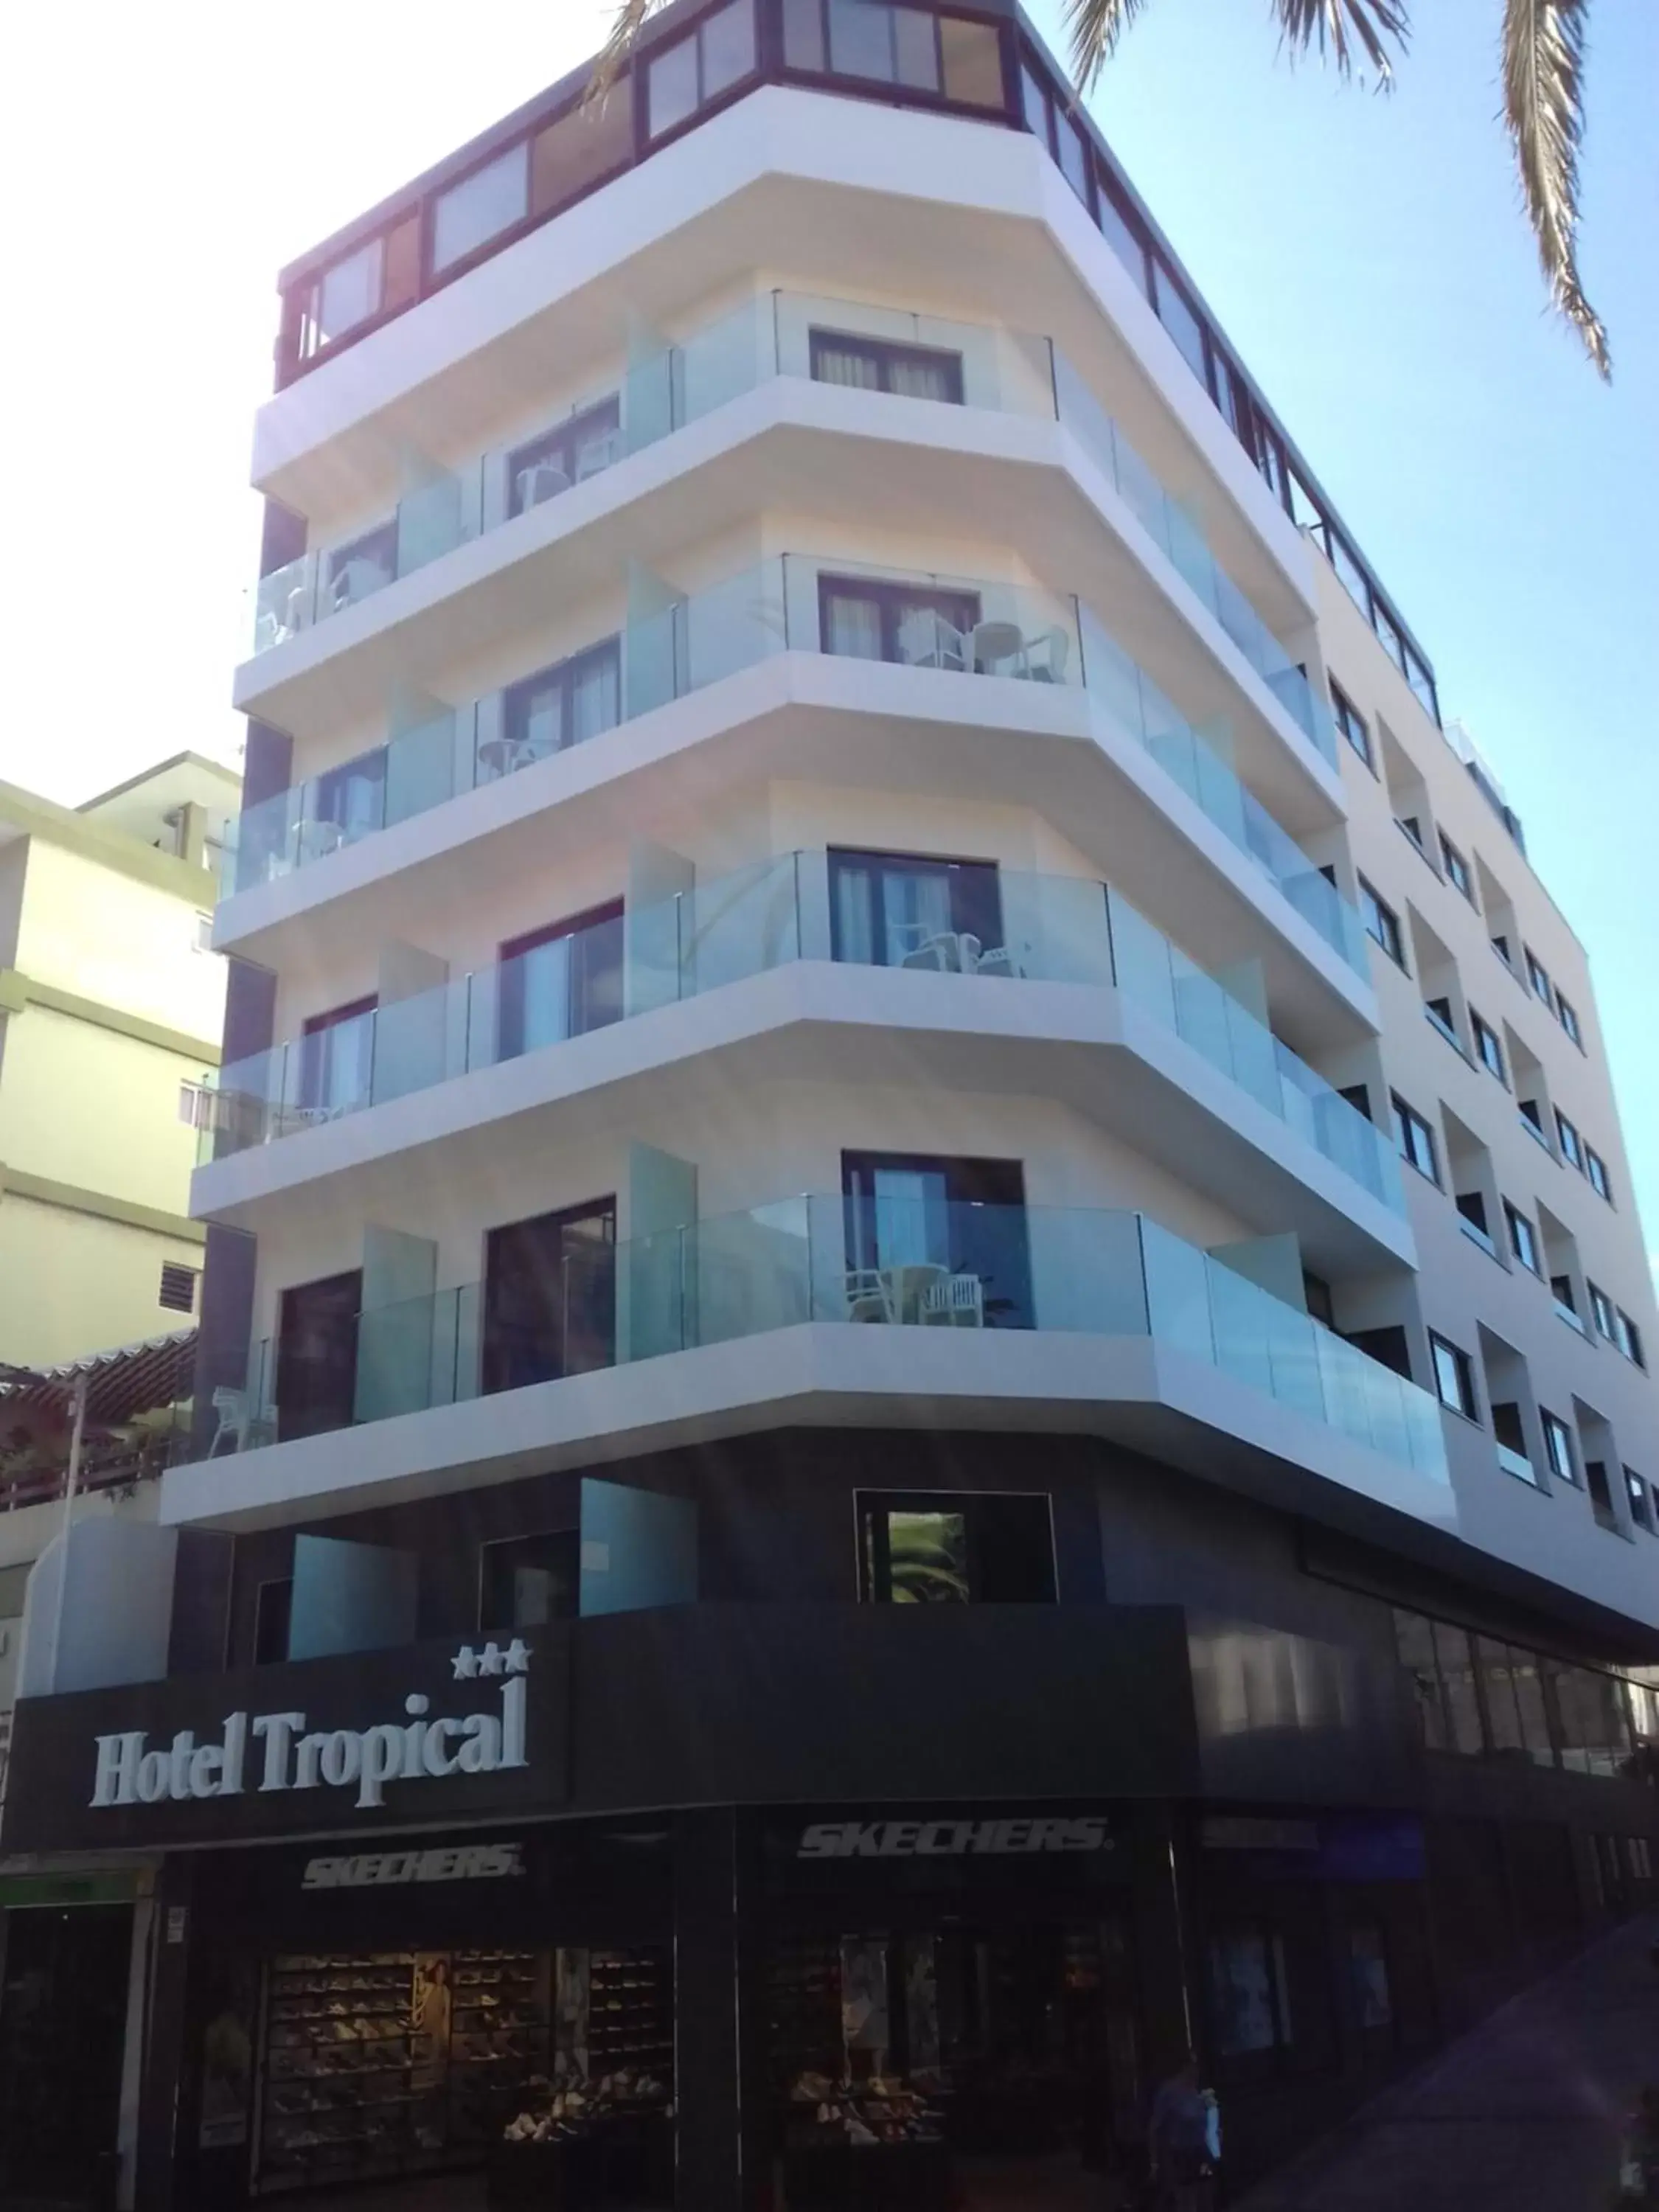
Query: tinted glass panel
[
  {"x": 971, "y": 54},
  {"x": 491, "y": 200}
]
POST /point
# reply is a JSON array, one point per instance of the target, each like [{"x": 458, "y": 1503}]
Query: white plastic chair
[
  {"x": 957, "y": 1302},
  {"x": 867, "y": 1295},
  {"x": 541, "y": 480},
  {"x": 237, "y": 1420}
]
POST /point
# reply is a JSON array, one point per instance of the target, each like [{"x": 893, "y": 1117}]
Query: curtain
[
  {"x": 913, "y": 376},
  {"x": 916, "y": 906},
  {"x": 836, "y": 363},
  {"x": 545, "y": 994},
  {"x": 912, "y": 1217},
  {"x": 852, "y": 625},
  {"x": 856, "y": 915},
  {"x": 594, "y": 684}
]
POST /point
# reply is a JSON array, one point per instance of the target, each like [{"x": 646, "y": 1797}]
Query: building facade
[
  {"x": 111, "y": 1004},
  {"x": 924, "y": 1362}
]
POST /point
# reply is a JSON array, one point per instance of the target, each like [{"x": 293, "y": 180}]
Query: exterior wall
[
  {"x": 104, "y": 936},
  {"x": 70, "y": 1281},
  {"x": 111, "y": 1007},
  {"x": 1471, "y": 1297}
]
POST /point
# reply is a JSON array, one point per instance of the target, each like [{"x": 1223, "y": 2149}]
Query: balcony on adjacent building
[{"x": 922, "y": 915}]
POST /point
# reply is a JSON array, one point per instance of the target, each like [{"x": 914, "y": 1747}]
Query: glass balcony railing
[
  {"x": 807, "y": 905},
  {"x": 792, "y": 603},
  {"x": 776, "y": 334},
  {"x": 894, "y": 1260},
  {"x": 1179, "y": 535}
]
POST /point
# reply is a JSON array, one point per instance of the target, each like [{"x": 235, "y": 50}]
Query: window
[
  {"x": 911, "y": 372},
  {"x": 1121, "y": 228},
  {"x": 1500, "y": 946},
  {"x": 890, "y": 910},
  {"x": 1316, "y": 1297},
  {"x": 1516, "y": 1717},
  {"x": 1472, "y": 1205},
  {"x": 1601, "y": 1494},
  {"x": 273, "y": 1609},
  {"x": 1382, "y": 923},
  {"x": 1453, "y": 1378},
  {"x": 578, "y": 148},
  {"x": 1439, "y": 1011},
  {"x": 1413, "y": 1638},
  {"x": 556, "y": 708},
  {"x": 550, "y": 1297},
  {"x": 931, "y": 1237},
  {"x": 959, "y": 60},
  {"x": 1417, "y": 1142},
  {"x": 317, "y": 1356},
  {"x": 1572, "y": 1148},
  {"x": 1510, "y": 1432},
  {"x": 1249, "y": 1992},
  {"x": 1368, "y": 1978},
  {"x": 178, "y": 1290},
  {"x": 1558, "y": 1445},
  {"x": 1457, "y": 868},
  {"x": 1566, "y": 1304},
  {"x": 1358, "y": 1097},
  {"x": 1601, "y": 1314},
  {"x": 1641, "y": 1503},
  {"x": 1532, "y": 1117},
  {"x": 1412, "y": 828},
  {"x": 928, "y": 1548},
  {"x": 1568, "y": 1020},
  {"x": 1628, "y": 1338},
  {"x": 1180, "y": 317},
  {"x": 718, "y": 54},
  {"x": 1351, "y": 724},
  {"x": 1538, "y": 976},
  {"x": 203, "y": 940},
  {"x": 358, "y": 569},
  {"x": 194, "y": 1109},
  {"x": 470, "y": 214},
  {"x": 337, "y": 1062},
  {"x": 560, "y": 981},
  {"x": 1488, "y": 1044},
  {"x": 528, "y": 1581},
  {"x": 1523, "y": 1241},
  {"x": 915, "y": 624},
  {"x": 586, "y": 443},
  {"x": 1596, "y": 1168}
]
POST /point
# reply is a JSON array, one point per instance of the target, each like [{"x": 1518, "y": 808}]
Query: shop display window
[
  {"x": 912, "y": 2063},
  {"x": 396, "y": 2063},
  {"x": 1270, "y": 1985},
  {"x": 1368, "y": 1981}
]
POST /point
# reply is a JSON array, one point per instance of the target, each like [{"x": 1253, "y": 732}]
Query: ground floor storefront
[{"x": 942, "y": 2007}]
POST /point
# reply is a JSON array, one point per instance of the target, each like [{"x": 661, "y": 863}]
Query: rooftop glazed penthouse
[{"x": 901, "y": 1138}]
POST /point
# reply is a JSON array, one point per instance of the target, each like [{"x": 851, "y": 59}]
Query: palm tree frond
[
  {"x": 1096, "y": 27},
  {"x": 631, "y": 19},
  {"x": 1338, "y": 26},
  {"x": 1543, "y": 106}
]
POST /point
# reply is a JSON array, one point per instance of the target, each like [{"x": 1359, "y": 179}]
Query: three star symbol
[{"x": 492, "y": 1660}]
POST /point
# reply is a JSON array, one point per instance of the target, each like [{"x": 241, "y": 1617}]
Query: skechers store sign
[{"x": 418, "y": 1733}]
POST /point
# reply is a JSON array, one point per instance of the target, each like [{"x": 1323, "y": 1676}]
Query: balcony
[
  {"x": 958, "y": 628},
  {"x": 925, "y": 363},
  {"x": 952, "y": 1276},
  {"x": 973, "y": 921}
]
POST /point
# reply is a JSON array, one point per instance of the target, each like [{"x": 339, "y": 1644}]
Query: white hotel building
[{"x": 900, "y": 1125}]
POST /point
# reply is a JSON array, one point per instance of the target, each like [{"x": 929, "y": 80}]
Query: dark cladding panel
[
  {"x": 714, "y": 1703},
  {"x": 226, "y": 1328}
]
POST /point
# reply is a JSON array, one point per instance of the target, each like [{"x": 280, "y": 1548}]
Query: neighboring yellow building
[{"x": 110, "y": 1008}]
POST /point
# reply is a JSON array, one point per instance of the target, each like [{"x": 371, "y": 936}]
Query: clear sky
[{"x": 1366, "y": 255}]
